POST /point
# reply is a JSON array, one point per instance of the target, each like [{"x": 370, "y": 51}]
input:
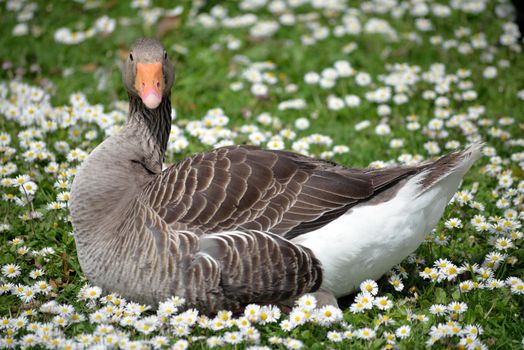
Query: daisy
[
  {"x": 420, "y": 317},
  {"x": 484, "y": 273},
  {"x": 396, "y": 282},
  {"x": 204, "y": 322},
  {"x": 90, "y": 293},
  {"x": 99, "y": 317},
  {"x": 166, "y": 308},
  {"x": 457, "y": 307},
  {"x": 453, "y": 328},
  {"x": 472, "y": 330},
  {"x": 369, "y": 286},
  {"x": 366, "y": 299},
  {"x": 503, "y": 243},
  {"x": 441, "y": 239},
  {"x": 399, "y": 143},
  {"x": 307, "y": 302},
  {"x": 366, "y": 333},
  {"x": 482, "y": 226},
  {"x": 181, "y": 331},
  {"x": 27, "y": 294},
  {"x": 328, "y": 315},
  {"x": 288, "y": 134},
  {"x": 466, "y": 286},
  {"x": 60, "y": 321},
  {"x": 146, "y": 325},
  {"x": 357, "y": 308},
  {"x": 56, "y": 205},
  {"x": 339, "y": 149},
  {"x": 312, "y": 78},
  {"x": 335, "y": 336},
  {"x": 224, "y": 315},
  {"x": 29, "y": 340},
  {"x": 453, "y": 223},
  {"x": 251, "y": 334},
  {"x": 273, "y": 313},
  {"x": 348, "y": 333},
  {"x": 362, "y": 125},
  {"x": 251, "y": 312},
  {"x": 493, "y": 283},
  {"x": 327, "y": 83},
  {"x": 297, "y": 317},
  {"x": 233, "y": 337},
  {"x": 42, "y": 287},
  {"x": 382, "y": 129},
  {"x": 180, "y": 345},
  {"x": 22, "y": 179},
  {"x": 514, "y": 235},
  {"x": 390, "y": 338},
  {"x": 383, "y": 303},
  {"x": 286, "y": 325},
  {"x": 293, "y": 344},
  {"x": 217, "y": 324},
  {"x": 29, "y": 188},
  {"x": 5, "y": 322},
  {"x": 413, "y": 126},
  {"x": 19, "y": 322},
  {"x": 214, "y": 341},
  {"x": 451, "y": 272},
  {"x": 517, "y": 288},
  {"x": 442, "y": 263},
  {"x": 11, "y": 270},
  {"x": 438, "y": 309},
  {"x": 403, "y": 332},
  {"x": 22, "y": 250},
  {"x": 384, "y": 320},
  {"x": 63, "y": 196},
  {"x": 463, "y": 197},
  {"x": 352, "y": 100},
  {"x": 301, "y": 124},
  {"x": 259, "y": 90},
  {"x": 274, "y": 340},
  {"x": 335, "y": 103}
]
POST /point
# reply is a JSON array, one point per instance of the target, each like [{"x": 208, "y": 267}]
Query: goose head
[{"x": 148, "y": 72}]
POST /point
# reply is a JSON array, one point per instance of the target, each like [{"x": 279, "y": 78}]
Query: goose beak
[{"x": 149, "y": 83}]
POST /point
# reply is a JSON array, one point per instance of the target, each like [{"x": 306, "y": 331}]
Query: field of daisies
[{"x": 364, "y": 83}]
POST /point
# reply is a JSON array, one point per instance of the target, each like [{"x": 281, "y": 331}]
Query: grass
[{"x": 203, "y": 78}]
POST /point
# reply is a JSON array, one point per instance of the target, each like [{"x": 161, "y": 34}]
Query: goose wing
[
  {"x": 258, "y": 267},
  {"x": 247, "y": 188},
  {"x": 224, "y": 270}
]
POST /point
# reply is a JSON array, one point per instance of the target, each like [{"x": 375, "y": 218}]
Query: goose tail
[
  {"x": 453, "y": 165},
  {"x": 381, "y": 231},
  {"x": 439, "y": 181}
]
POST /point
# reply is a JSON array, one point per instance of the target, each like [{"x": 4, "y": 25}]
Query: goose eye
[
  {"x": 131, "y": 56},
  {"x": 165, "y": 55}
]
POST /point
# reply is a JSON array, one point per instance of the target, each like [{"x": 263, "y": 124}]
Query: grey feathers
[
  {"x": 246, "y": 188},
  {"x": 216, "y": 227}
]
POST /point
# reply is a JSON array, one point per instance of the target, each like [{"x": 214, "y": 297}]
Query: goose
[{"x": 240, "y": 224}]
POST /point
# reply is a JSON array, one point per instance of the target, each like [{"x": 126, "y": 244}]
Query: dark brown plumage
[
  {"x": 218, "y": 227},
  {"x": 247, "y": 188}
]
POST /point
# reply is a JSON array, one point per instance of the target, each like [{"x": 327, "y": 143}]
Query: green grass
[{"x": 203, "y": 77}]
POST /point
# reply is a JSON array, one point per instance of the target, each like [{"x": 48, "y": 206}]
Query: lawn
[{"x": 370, "y": 83}]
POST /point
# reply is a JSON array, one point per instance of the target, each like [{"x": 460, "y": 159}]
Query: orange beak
[{"x": 149, "y": 82}]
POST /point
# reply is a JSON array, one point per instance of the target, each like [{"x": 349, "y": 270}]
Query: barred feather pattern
[
  {"x": 124, "y": 245},
  {"x": 217, "y": 227},
  {"x": 157, "y": 121},
  {"x": 247, "y": 188}
]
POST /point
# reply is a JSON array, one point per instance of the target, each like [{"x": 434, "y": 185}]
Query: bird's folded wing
[
  {"x": 246, "y": 188},
  {"x": 239, "y": 268}
]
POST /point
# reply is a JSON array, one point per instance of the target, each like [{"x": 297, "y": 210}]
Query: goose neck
[{"x": 156, "y": 123}]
